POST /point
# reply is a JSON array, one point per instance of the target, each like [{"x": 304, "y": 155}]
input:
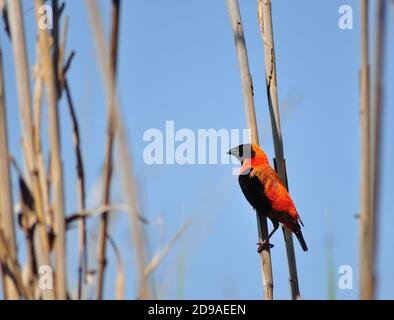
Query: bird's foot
[{"x": 263, "y": 245}]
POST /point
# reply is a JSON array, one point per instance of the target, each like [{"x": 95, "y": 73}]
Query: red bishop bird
[{"x": 266, "y": 193}]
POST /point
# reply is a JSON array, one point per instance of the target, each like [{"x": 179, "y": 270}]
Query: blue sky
[{"x": 177, "y": 62}]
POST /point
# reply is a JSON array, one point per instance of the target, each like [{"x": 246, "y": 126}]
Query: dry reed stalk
[
  {"x": 56, "y": 50},
  {"x": 98, "y": 211},
  {"x": 265, "y": 22},
  {"x": 247, "y": 89},
  {"x": 365, "y": 249},
  {"x": 22, "y": 76},
  {"x": 61, "y": 71},
  {"x": 124, "y": 156},
  {"x": 80, "y": 189},
  {"x": 40, "y": 162},
  {"x": 377, "y": 130},
  {"x": 6, "y": 203},
  {"x": 108, "y": 154},
  {"x": 23, "y": 86},
  {"x": 56, "y": 163},
  {"x": 120, "y": 277},
  {"x": 160, "y": 255},
  {"x": 27, "y": 221},
  {"x": 12, "y": 267},
  {"x": 30, "y": 271}
]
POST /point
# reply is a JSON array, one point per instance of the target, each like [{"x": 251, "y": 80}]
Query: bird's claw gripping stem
[{"x": 263, "y": 245}]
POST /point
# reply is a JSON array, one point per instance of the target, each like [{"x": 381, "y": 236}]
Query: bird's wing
[{"x": 278, "y": 195}]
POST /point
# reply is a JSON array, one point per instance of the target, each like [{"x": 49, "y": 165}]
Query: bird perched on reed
[{"x": 266, "y": 193}]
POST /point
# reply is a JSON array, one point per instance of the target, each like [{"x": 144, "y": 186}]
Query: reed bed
[{"x": 42, "y": 219}]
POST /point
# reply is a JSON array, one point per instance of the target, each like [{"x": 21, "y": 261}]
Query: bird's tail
[{"x": 301, "y": 240}]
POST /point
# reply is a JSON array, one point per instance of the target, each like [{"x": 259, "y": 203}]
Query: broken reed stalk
[
  {"x": 265, "y": 22},
  {"x": 377, "y": 131},
  {"x": 56, "y": 162},
  {"x": 247, "y": 89},
  {"x": 102, "y": 247},
  {"x": 41, "y": 242},
  {"x": 6, "y": 205},
  {"x": 365, "y": 248},
  {"x": 127, "y": 175}
]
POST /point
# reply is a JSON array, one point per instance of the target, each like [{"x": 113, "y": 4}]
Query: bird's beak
[{"x": 232, "y": 152}]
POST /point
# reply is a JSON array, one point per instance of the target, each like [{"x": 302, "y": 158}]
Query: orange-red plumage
[{"x": 264, "y": 190}]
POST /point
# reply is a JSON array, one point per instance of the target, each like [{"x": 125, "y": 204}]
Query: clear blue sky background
[{"x": 177, "y": 62}]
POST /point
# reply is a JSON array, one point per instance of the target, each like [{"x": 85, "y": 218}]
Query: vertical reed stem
[
  {"x": 265, "y": 22},
  {"x": 80, "y": 189},
  {"x": 41, "y": 242},
  {"x": 108, "y": 154},
  {"x": 6, "y": 206},
  {"x": 247, "y": 89},
  {"x": 377, "y": 131},
  {"x": 365, "y": 249},
  {"x": 125, "y": 160},
  {"x": 56, "y": 162}
]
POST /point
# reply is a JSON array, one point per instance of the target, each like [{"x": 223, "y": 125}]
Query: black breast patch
[{"x": 253, "y": 191}]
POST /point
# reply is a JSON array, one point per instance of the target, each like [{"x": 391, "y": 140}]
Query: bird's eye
[{"x": 241, "y": 151}]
